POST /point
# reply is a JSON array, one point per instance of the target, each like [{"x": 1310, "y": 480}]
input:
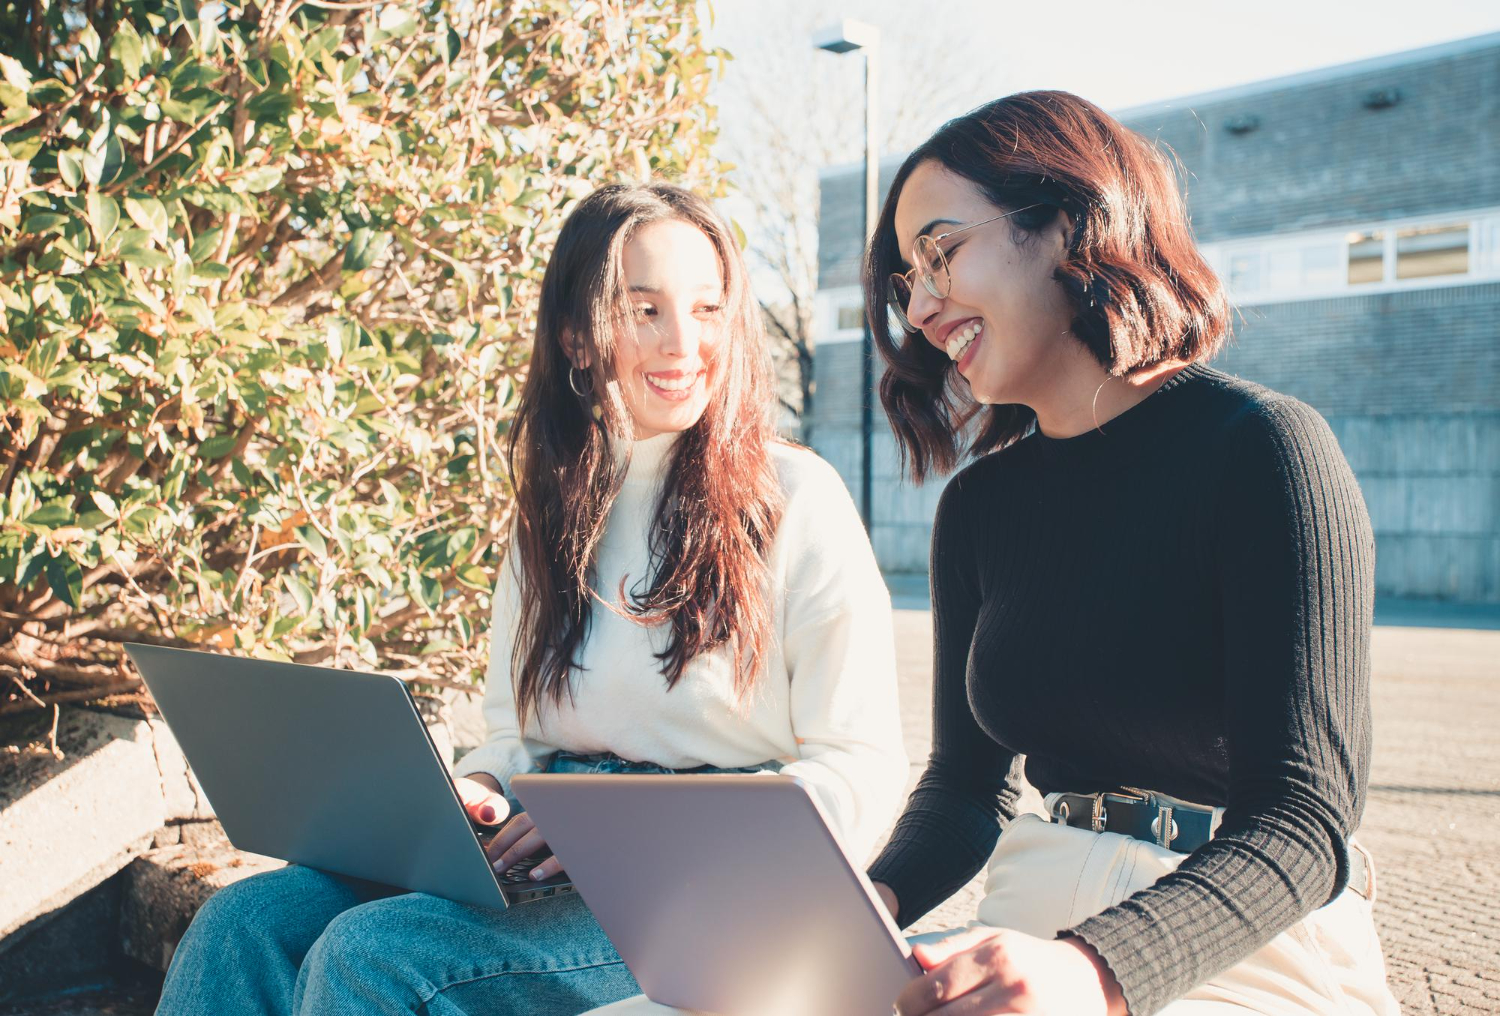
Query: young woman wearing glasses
[
  {"x": 1152, "y": 593},
  {"x": 683, "y": 592},
  {"x": 1153, "y": 590}
]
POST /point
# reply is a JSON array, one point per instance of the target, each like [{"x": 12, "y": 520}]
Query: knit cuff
[
  {"x": 1138, "y": 956},
  {"x": 491, "y": 760}
]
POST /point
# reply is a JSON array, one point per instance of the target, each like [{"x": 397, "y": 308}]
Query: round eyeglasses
[{"x": 931, "y": 266}]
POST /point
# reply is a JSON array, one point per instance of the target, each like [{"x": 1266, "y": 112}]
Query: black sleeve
[
  {"x": 952, "y": 820},
  {"x": 1296, "y": 575}
]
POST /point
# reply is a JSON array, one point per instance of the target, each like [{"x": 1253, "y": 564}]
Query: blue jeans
[{"x": 302, "y": 941}]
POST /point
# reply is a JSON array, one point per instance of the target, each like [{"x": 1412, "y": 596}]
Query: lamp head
[{"x": 846, "y": 36}]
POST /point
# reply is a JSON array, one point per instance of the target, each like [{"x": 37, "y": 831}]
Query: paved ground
[{"x": 1433, "y": 819}]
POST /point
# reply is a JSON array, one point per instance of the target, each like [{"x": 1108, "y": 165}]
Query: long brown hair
[
  {"x": 1140, "y": 291},
  {"x": 720, "y": 501}
]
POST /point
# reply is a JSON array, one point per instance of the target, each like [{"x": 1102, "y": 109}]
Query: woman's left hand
[
  {"x": 518, "y": 840},
  {"x": 995, "y": 970}
]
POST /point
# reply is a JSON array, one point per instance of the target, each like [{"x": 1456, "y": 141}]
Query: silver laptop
[
  {"x": 332, "y": 769},
  {"x": 724, "y": 893}
]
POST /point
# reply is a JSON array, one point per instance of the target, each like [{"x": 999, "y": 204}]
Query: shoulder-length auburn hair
[
  {"x": 720, "y": 500},
  {"x": 1140, "y": 292}
]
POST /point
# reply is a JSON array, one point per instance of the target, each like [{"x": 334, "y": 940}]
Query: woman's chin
[{"x": 669, "y": 423}]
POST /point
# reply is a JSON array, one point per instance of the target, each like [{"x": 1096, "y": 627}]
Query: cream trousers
[{"x": 1044, "y": 877}]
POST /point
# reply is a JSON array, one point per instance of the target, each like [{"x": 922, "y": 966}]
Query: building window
[
  {"x": 1366, "y": 258},
  {"x": 1382, "y": 256},
  {"x": 1244, "y": 272},
  {"x": 1432, "y": 250},
  {"x": 851, "y": 318},
  {"x": 1322, "y": 265}
]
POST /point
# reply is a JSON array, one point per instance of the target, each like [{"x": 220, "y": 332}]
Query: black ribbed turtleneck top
[{"x": 1180, "y": 603}]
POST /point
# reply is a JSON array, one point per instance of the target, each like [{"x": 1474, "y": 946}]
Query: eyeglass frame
[{"x": 929, "y": 278}]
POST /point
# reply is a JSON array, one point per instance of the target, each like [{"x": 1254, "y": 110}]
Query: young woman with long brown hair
[
  {"x": 682, "y": 592},
  {"x": 1151, "y": 593}
]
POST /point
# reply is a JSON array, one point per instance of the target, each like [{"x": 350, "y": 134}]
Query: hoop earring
[
  {"x": 1095, "y": 406},
  {"x": 580, "y": 390}
]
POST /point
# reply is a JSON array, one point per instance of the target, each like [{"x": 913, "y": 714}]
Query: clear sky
[{"x": 1117, "y": 53}]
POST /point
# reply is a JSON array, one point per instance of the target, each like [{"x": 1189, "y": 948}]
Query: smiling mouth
[
  {"x": 674, "y": 388},
  {"x": 960, "y": 341}
]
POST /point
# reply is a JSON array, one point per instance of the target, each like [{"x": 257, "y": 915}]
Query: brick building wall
[{"x": 1409, "y": 378}]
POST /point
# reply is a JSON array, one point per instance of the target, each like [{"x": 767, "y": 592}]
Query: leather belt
[{"x": 1172, "y": 823}]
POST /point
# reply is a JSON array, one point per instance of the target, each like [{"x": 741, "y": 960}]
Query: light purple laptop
[{"x": 727, "y": 893}]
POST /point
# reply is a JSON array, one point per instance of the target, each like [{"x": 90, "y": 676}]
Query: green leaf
[
  {"x": 150, "y": 214},
  {"x": 66, "y": 580},
  {"x": 365, "y": 248},
  {"x": 179, "y": 111},
  {"x": 206, "y": 244},
  {"x": 430, "y": 592},
  {"x": 272, "y": 107},
  {"x": 103, "y": 214},
  {"x": 255, "y": 70},
  {"x": 259, "y": 180},
  {"x": 106, "y": 504},
  {"x": 362, "y": 614},
  {"x": 15, "y": 75},
  {"x": 189, "y": 75},
  {"x": 395, "y": 23},
  {"x": 88, "y": 38},
  {"x": 312, "y": 540},
  {"x": 104, "y": 165},
  {"x": 452, "y": 45},
  {"x": 125, "y": 48},
  {"x": 218, "y": 446},
  {"x": 42, "y": 222},
  {"x": 146, "y": 258},
  {"x": 70, "y": 168},
  {"x": 475, "y": 577},
  {"x": 300, "y": 592},
  {"x": 53, "y": 516}
]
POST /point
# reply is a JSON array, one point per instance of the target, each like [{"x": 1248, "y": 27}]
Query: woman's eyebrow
[
  {"x": 652, "y": 289},
  {"x": 925, "y": 230}
]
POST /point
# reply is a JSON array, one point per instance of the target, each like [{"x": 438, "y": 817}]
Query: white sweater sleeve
[
  {"x": 840, "y": 656},
  {"x": 504, "y": 752}
]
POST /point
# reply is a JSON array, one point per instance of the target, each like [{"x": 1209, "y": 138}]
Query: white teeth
[
  {"x": 673, "y": 384},
  {"x": 958, "y": 342}
]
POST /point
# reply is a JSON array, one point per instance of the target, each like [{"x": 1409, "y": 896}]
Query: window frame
[{"x": 1483, "y": 257}]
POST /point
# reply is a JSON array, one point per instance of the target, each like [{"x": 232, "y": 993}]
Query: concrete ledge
[
  {"x": 164, "y": 887},
  {"x": 68, "y": 824}
]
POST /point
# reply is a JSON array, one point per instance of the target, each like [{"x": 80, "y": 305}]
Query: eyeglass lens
[{"x": 931, "y": 267}]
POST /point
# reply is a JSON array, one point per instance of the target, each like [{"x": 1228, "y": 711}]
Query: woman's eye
[
  {"x": 710, "y": 308},
  {"x": 645, "y": 310}
]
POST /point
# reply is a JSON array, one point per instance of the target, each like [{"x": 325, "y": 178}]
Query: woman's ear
[
  {"x": 1063, "y": 235},
  {"x": 574, "y": 350}
]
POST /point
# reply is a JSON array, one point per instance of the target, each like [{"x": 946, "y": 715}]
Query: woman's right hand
[{"x": 480, "y": 794}]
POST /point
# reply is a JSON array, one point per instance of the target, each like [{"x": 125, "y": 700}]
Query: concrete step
[
  {"x": 129, "y": 996},
  {"x": 164, "y": 887},
  {"x": 69, "y": 823}
]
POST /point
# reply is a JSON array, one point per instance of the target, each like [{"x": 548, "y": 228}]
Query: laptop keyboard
[{"x": 520, "y": 872}]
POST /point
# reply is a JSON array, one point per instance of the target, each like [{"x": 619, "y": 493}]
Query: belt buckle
[
  {"x": 1163, "y": 826},
  {"x": 1125, "y": 795}
]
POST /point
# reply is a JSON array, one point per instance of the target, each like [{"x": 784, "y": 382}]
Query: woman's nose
[
  {"x": 922, "y": 307},
  {"x": 678, "y": 335}
]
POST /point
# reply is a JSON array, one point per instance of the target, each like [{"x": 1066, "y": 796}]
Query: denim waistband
[{"x": 607, "y": 762}]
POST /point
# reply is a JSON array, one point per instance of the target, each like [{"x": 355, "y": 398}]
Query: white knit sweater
[{"x": 826, "y": 706}]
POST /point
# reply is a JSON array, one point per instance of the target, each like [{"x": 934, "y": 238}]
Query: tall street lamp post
[{"x": 845, "y": 37}]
